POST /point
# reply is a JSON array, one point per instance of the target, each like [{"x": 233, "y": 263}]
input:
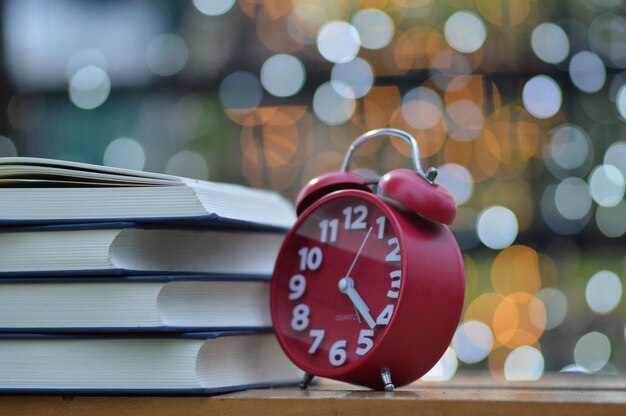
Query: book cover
[
  {"x": 192, "y": 363},
  {"x": 34, "y": 190},
  {"x": 177, "y": 303},
  {"x": 131, "y": 248}
]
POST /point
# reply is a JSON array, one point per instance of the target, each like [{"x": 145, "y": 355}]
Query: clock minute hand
[{"x": 346, "y": 285}]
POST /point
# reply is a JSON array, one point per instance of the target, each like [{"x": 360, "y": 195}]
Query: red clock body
[{"x": 362, "y": 284}]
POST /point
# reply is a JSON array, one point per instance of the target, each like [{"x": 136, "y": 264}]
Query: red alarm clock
[{"x": 369, "y": 284}]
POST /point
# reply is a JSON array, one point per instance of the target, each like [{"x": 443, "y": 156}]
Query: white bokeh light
[
  {"x": 352, "y": 79},
  {"x": 330, "y": 107},
  {"x": 457, "y": 180},
  {"x": 570, "y": 147},
  {"x": 587, "y": 71},
  {"x": 89, "y": 87},
  {"x": 7, "y": 147},
  {"x": 607, "y": 185},
  {"x": 125, "y": 153},
  {"x": 444, "y": 369},
  {"x": 282, "y": 75},
  {"x": 550, "y": 43},
  {"x": 620, "y": 101},
  {"x": 572, "y": 198},
  {"x": 603, "y": 292},
  {"x": 542, "y": 96},
  {"x": 616, "y": 155},
  {"x": 472, "y": 341},
  {"x": 167, "y": 54},
  {"x": 375, "y": 28},
  {"x": 422, "y": 108},
  {"x": 555, "y": 304},
  {"x": 524, "y": 364},
  {"x": 338, "y": 42},
  {"x": 465, "y": 31},
  {"x": 188, "y": 164},
  {"x": 592, "y": 351},
  {"x": 241, "y": 90},
  {"x": 213, "y": 7},
  {"x": 497, "y": 227}
]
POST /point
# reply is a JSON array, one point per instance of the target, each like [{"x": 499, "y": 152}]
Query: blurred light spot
[
  {"x": 85, "y": 57},
  {"x": 616, "y": 155},
  {"x": 125, "y": 153},
  {"x": 283, "y": 75},
  {"x": 472, "y": 341},
  {"x": 516, "y": 269},
  {"x": 444, "y": 369},
  {"x": 603, "y": 292},
  {"x": 555, "y": 303},
  {"x": 352, "y": 79},
  {"x": 607, "y": 36},
  {"x": 375, "y": 28},
  {"x": 213, "y": 7},
  {"x": 587, "y": 71},
  {"x": 338, "y": 42},
  {"x": 241, "y": 91},
  {"x": 554, "y": 219},
  {"x": 7, "y": 148},
  {"x": 569, "y": 147},
  {"x": 465, "y": 31},
  {"x": 607, "y": 185},
  {"x": 592, "y": 351},
  {"x": 188, "y": 164},
  {"x": 305, "y": 20},
  {"x": 422, "y": 108},
  {"x": 330, "y": 107},
  {"x": 457, "y": 180},
  {"x": 497, "y": 227},
  {"x": 465, "y": 120},
  {"x": 620, "y": 100},
  {"x": 524, "y": 364},
  {"x": 612, "y": 220},
  {"x": 89, "y": 87},
  {"x": 572, "y": 198},
  {"x": 450, "y": 70},
  {"x": 574, "y": 368},
  {"x": 542, "y": 96},
  {"x": 167, "y": 54},
  {"x": 550, "y": 43}
]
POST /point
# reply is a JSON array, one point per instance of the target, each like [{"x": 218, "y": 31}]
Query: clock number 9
[
  {"x": 297, "y": 284},
  {"x": 300, "y": 319}
]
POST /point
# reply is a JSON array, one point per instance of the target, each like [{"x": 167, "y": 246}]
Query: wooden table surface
[{"x": 559, "y": 394}]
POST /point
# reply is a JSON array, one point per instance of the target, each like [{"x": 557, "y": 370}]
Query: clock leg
[
  {"x": 306, "y": 379},
  {"x": 385, "y": 374}
]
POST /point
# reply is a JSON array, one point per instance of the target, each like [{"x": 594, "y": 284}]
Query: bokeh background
[{"x": 520, "y": 104}]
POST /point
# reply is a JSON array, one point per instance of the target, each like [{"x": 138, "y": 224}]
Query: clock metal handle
[{"x": 428, "y": 176}]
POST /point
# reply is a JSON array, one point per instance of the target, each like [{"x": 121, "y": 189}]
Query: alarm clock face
[{"x": 337, "y": 282}]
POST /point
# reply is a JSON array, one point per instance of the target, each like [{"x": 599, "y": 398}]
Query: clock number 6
[{"x": 337, "y": 354}]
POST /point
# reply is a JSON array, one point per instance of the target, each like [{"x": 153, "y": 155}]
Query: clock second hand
[{"x": 349, "y": 289}]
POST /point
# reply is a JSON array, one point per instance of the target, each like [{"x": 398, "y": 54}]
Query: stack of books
[{"x": 121, "y": 281}]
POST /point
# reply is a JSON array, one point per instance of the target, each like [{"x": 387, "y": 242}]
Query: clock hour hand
[{"x": 346, "y": 285}]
